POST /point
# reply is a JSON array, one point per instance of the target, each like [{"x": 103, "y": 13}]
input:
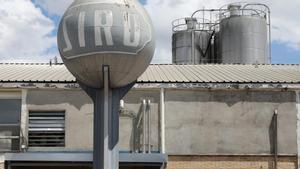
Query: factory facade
[
  {"x": 195, "y": 114},
  {"x": 175, "y": 117}
]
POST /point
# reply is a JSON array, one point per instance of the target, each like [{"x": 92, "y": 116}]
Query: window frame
[{"x": 12, "y": 95}]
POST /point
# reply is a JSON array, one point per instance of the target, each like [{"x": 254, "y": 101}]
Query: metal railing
[
  {"x": 245, "y": 9},
  {"x": 199, "y": 24}
]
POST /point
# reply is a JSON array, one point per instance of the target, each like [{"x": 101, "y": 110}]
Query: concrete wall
[
  {"x": 79, "y": 116},
  {"x": 229, "y": 122},
  {"x": 78, "y": 108},
  {"x": 197, "y": 122},
  {"x": 133, "y": 105}
]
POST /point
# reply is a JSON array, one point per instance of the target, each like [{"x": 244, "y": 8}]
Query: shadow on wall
[
  {"x": 137, "y": 128},
  {"x": 77, "y": 98},
  {"x": 230, "y": 97}
]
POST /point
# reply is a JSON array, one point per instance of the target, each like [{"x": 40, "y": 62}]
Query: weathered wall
[
  {"x": 78, "y": 108},
  {"x": 133, "y": 105},
  {"x": 79, "y": 116},
  {"x": 227, "y": 162},
  {"x": 197, "y": 122},
  {"x": 228, "y": 122}
]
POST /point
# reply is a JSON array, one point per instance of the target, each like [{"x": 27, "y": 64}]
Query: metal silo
[
  {"x": 189, "y": 42},
  {"x": 244, "y": 35}
]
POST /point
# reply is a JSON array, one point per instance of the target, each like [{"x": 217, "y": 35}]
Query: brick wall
[{"x": 236, "y": 162}]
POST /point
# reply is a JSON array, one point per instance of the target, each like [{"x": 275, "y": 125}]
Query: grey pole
[
  {"x": 144, "y": 125},
  {"x": 149, "y": 125},
  {"x": 106, "y": 122}
]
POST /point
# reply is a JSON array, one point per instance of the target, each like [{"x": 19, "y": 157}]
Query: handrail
[
  {"x": 206, "y": 10},
  {"x": 181, "y": 25}
]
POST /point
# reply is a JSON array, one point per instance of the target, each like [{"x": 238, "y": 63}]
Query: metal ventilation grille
[{"x": 46, "y": 129}]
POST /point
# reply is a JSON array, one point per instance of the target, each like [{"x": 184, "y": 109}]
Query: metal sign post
[{"x": 106, "y": 122}]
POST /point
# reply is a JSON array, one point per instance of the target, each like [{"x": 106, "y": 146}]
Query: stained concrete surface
[
  {"x": 79, "y": 117},
  {"x": 197, "y": 122},
  {"x": 227, "y": 122}
]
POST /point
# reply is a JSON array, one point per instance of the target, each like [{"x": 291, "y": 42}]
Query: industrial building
[
  {"x": 220, "y": 105},
  {"x": 202, "y": 116}
]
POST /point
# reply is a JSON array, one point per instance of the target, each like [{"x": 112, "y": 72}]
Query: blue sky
[
  {"x": 56, "y": 18},
  {"x": 45, "y": 14},
  {"x": 281, "y": 53}
]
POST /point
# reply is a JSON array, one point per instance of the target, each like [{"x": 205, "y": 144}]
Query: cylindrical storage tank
[
  {"x": 185, "y": 53},
  {"x": 182, "y": 47},
  {"x": 244, "y": 40},
  {"x": 189, "y": 46}
]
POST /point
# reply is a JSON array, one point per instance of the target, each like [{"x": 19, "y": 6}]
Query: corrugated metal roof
[{"x": 210, "y": 73}]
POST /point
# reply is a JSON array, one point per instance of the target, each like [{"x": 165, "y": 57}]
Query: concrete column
[
  {"x": 162, "y": 121},
  {"x": 106, "y": 122},
  {"x": 24, "y": 119},
  {"x": 298, "y": 125}
]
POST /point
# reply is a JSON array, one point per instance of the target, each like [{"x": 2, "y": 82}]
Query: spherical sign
[{"x": 116, "y": 33}]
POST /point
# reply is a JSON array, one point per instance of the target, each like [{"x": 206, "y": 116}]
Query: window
[
  {"x": 46, "y": 129},
  {"x": 10, "y": 114}
]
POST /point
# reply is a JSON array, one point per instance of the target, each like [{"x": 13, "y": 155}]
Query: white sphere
[{"x": 116, "y": 33}]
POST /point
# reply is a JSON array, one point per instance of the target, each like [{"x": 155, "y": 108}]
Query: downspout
[
  {"x": 144, "y": 125},
  {"x": 275, "y": 139},
  {"x": 162, "y": 121},
  {"x": 24, "y": 122},
  {"x": 298, "y": 127},
  {"x": 149, "y": 125}
]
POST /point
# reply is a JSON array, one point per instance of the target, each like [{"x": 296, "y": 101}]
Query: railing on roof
[
  {"x": 200, "y": 24},
  {"x": 209, "y": 19},
  {"x": 245, "y": 9}
]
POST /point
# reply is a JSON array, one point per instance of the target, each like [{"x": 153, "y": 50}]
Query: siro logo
[{"x": 89, "y": 32}]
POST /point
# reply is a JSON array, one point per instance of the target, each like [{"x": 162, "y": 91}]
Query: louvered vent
[{"x": 46, "y": 129}]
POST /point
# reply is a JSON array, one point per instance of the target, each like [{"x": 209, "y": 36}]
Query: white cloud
[{"x": 24, "y": 32}]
